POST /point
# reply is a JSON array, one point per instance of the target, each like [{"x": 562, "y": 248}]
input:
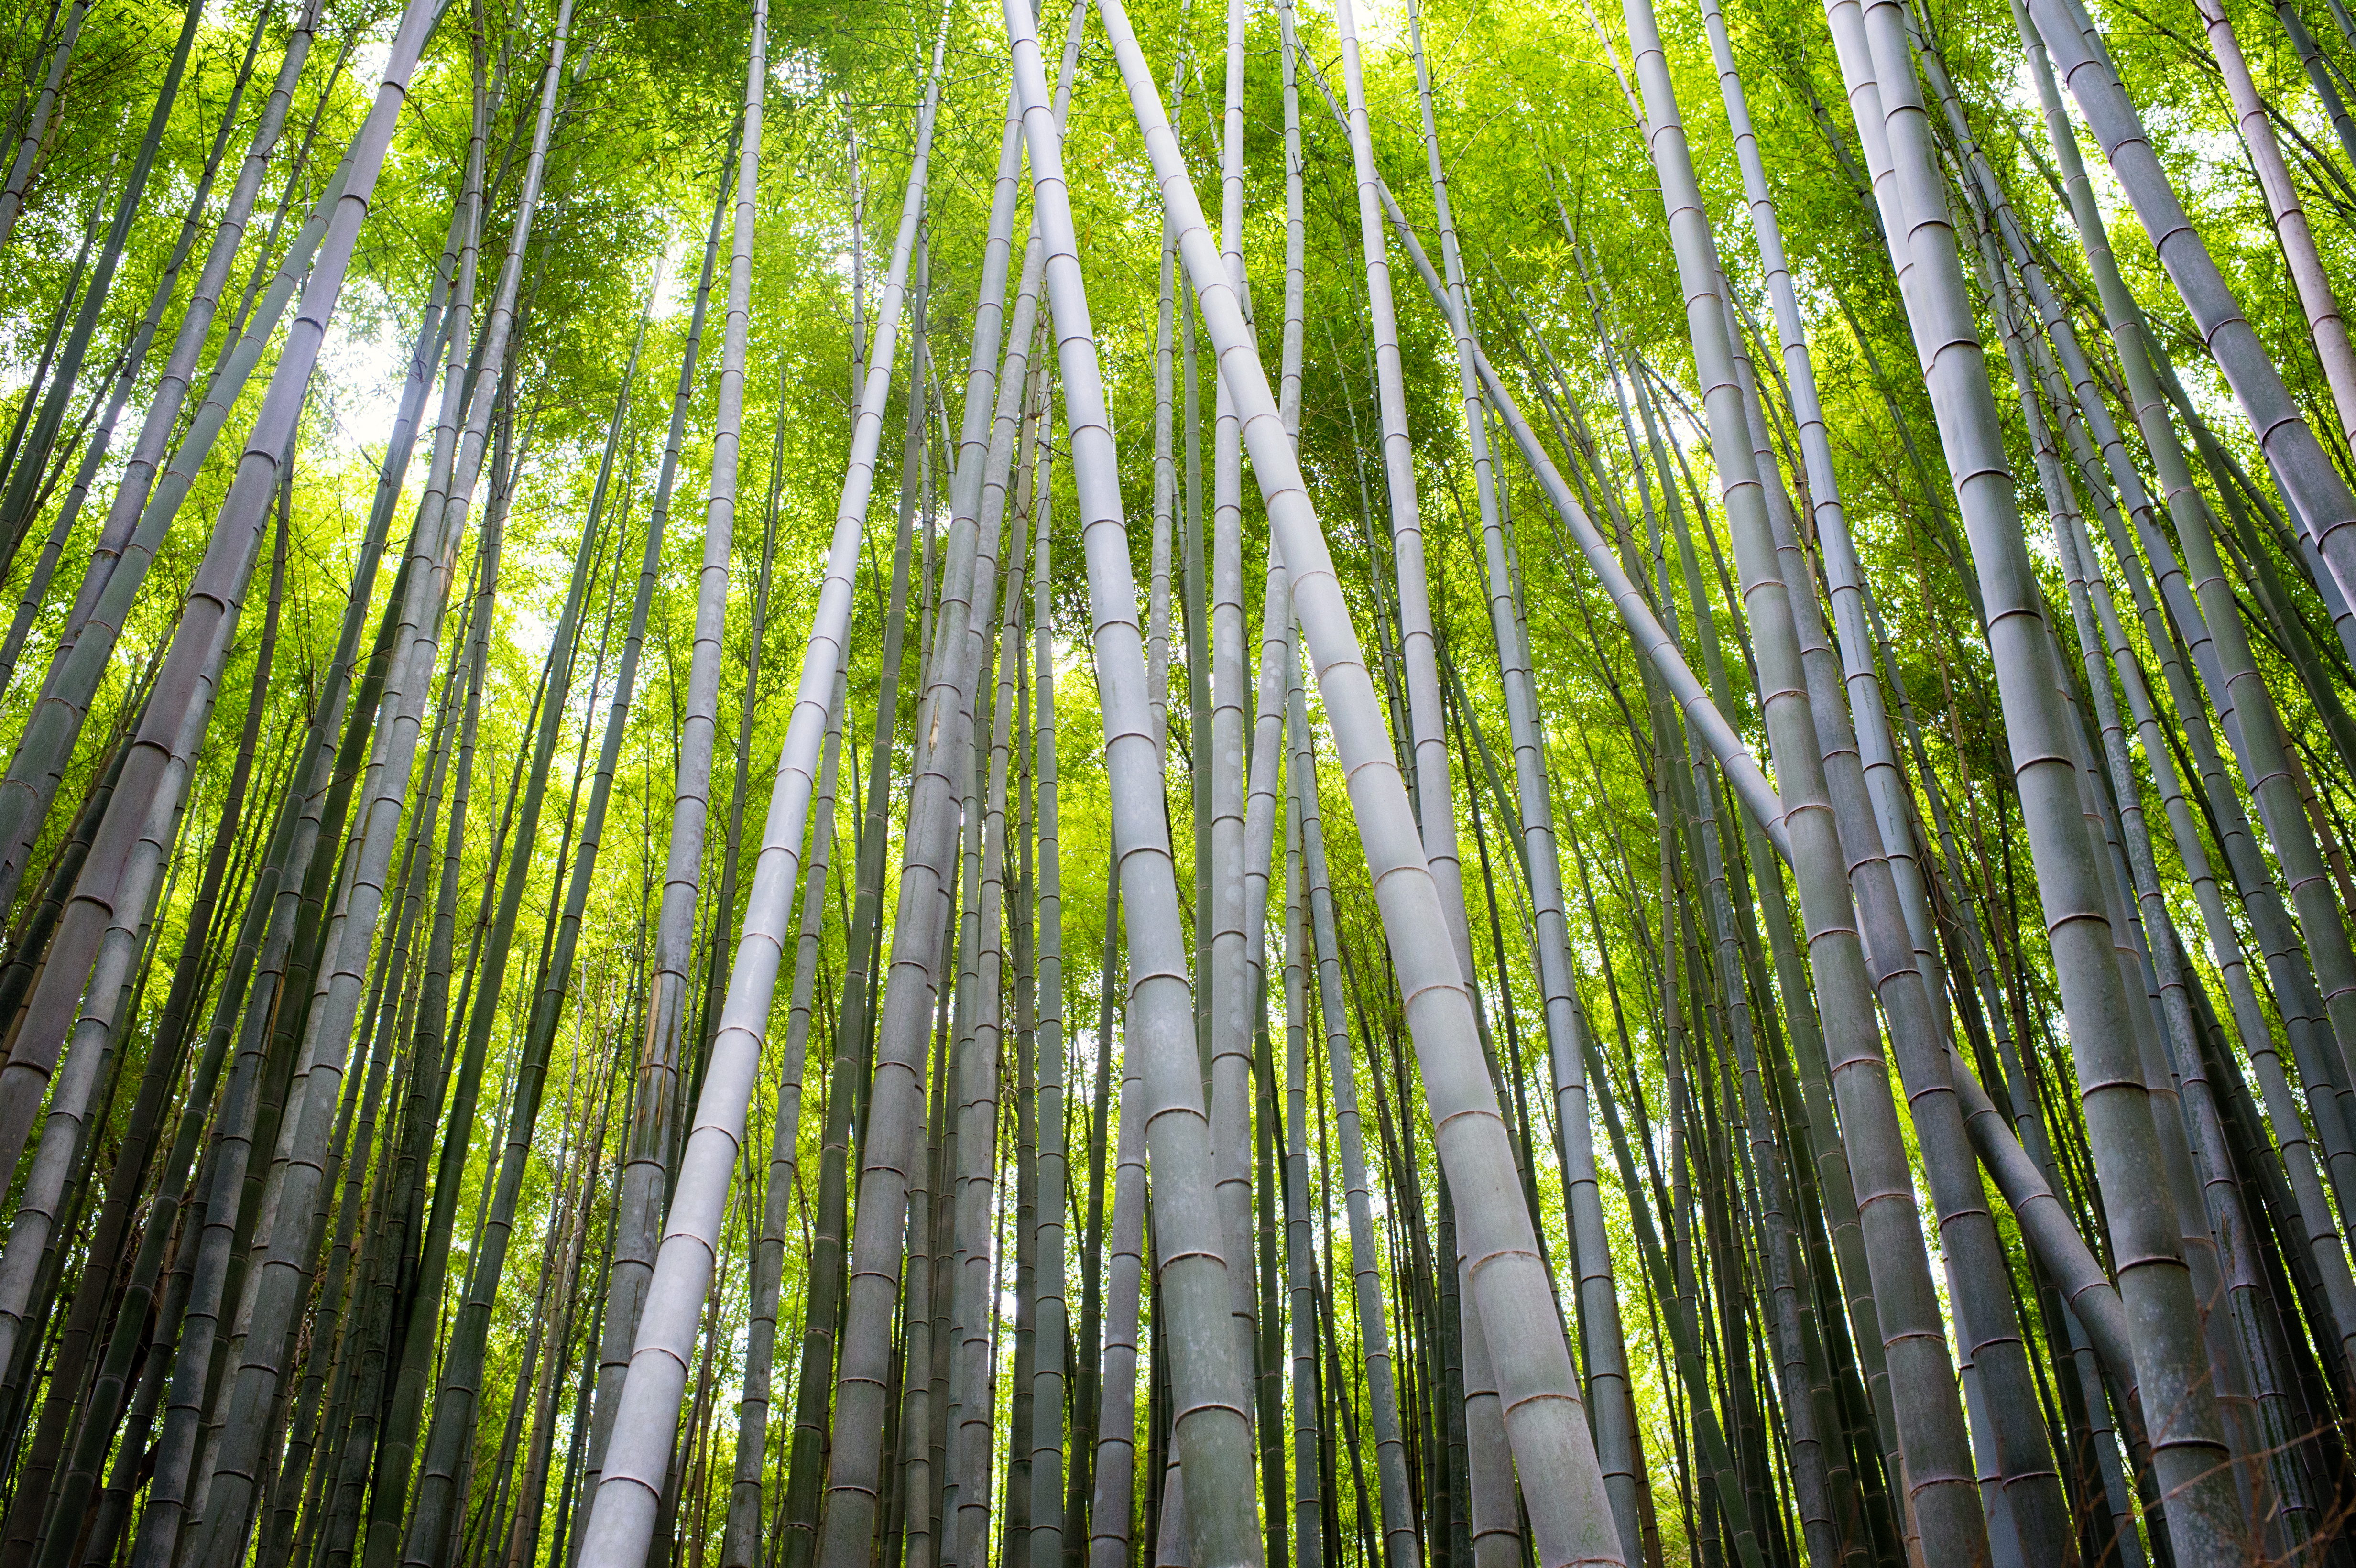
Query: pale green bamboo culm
[
  {"x": 1553, "y": 1451},
  {"x": 637, "y": 1461}
]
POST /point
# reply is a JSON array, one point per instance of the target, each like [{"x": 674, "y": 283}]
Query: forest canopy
[{"x": 1381, "y": 785}]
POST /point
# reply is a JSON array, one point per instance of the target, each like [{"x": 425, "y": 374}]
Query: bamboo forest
[{"x": 1177, "y": 783}]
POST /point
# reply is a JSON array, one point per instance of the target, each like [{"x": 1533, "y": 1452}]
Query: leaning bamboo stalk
[
  {"x": 2242, "y": 1368},
  {"x": 2318, "y": 492},
  {"x": 635, "y": 1186},
  {"x": 325, "y": 1435},
  {"x": 71, "y": 947},
  {"x": 218, "y": 585},
  {"x": 1049, "y": 1321},
  {"x": 97, "y": 1410},
  {"x": 2287, "y": 961},
  {"x": 1844, "y": 576},
  {"x": 920, "y": 932},
  {"x": 639, "y": 1462},
  {"x": 96, "y": 1043},
  {"x": 478, "y": 1004},
  {"x": 37, "y": 124},
  {"x": 1212, "y": 1431},
  {"x": 1983, "y": 1307},
  {"x": 1553, "y": 1449},
  {"x": 822, "y": 1287},
  {"x": 2186, "y": 1437},
  {"x": 197, "y": 319},
  {"x": 1978, "y": 1278},
  {"x": 193, "y": 1299},
  {"x": 2310, "y": 1211},
  {"x": 652, "y": 1136},
  {"x": 2216, "y": 1230},
  {"x": 367, "y": 1438}
]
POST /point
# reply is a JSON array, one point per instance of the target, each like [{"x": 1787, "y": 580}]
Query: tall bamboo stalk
[
  {"x": 1553, "y": 1449},
  {"x": 2187, "y": 1439},
  {"x": 623, "y": 1512}
]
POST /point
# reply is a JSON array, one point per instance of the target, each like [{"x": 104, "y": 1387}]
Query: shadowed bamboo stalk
[
  {"x": 652, "y": 1138},
  {"x": 272, "y": 1295},
  {"x": 2187, "y": 1438},
  {"x": 26, "y": 159},
  {"x": 1049, "y": 1320}
]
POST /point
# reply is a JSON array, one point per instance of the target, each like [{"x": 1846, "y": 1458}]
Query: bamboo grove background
[{"x": 1472, "y": 784}]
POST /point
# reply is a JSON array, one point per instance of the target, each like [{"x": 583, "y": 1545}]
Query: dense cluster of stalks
[{"x": 1264, "y": 1020}]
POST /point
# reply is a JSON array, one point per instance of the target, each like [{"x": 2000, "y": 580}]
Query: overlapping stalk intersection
[{"x": 1501, "y": 871}]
